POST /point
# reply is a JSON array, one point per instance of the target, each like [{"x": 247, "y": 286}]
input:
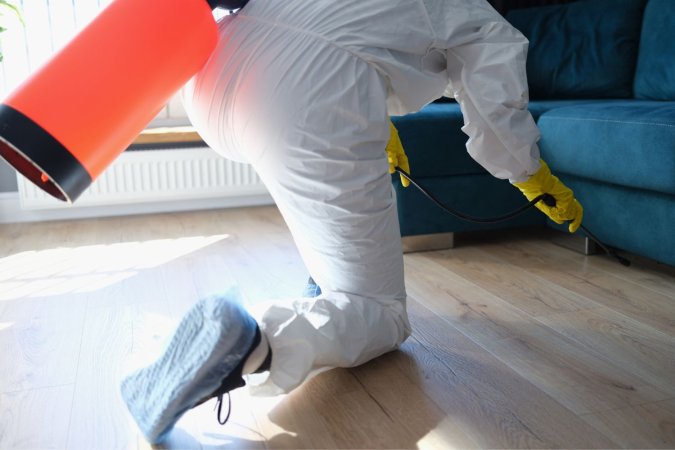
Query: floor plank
[
  {"x": 38, "y": 354},
  {"x": 634, "y": 346},
  {"x": 497, "y": 408},
  {"x": 527, "y": 291},
  {"x": 331, "y": 411},
  {"x": 646, "y": 426},
  {"x": 404, "y": 401},
  {"x": 554, "y": 361},
  {"x": 646, "y": 273},
  {"x": 611, "y": 291},
  {"x": 517, "y": 343},
  {"x": 200, "y": 429},
  {"x": 35, "y": 419},
  {"x": 98, "y": 416}
]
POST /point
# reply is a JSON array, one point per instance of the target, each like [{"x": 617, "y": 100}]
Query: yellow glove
[
  {"x": 566, "y": 208},
  {"x": 396, "y": 155}
]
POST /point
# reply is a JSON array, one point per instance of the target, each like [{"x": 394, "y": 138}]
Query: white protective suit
[{"x": 301, "y": 89}]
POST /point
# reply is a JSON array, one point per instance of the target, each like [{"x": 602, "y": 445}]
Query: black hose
[
  {"x": 546, "y": 198},
  {"x": 609, "y": 251},
  {"x": 467, "y": 217}
]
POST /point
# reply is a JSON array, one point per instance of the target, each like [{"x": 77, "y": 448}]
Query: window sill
[{"x": 168, "y": 135}]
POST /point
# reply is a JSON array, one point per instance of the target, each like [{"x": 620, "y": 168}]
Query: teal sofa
[{"x": 602, "y": 91}]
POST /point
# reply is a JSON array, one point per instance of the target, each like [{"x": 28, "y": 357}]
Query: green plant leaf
[{"x": 6, "y": 5}]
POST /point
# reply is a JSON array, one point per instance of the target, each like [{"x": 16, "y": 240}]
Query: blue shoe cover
[
  {"x": 211, "y": 342},
  {"x": 311, "y": 289}
]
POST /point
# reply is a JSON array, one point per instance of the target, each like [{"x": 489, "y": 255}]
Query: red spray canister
[{"x": 71, "y": 118}]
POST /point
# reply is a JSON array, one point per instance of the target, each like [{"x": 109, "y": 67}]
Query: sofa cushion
[
  {"x": 629, "y": 143},
  {"x": 655, "y": 75},
  {"x": 539, "y": 107},
  {"x": 435, "y": 144},
  {"x": 585, "y": 49}
]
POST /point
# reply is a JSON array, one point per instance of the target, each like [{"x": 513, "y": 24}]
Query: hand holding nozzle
[{"x": 562, "y": 206}]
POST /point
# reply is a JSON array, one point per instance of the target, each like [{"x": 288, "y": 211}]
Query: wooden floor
[{"x": 518, "y": 343}]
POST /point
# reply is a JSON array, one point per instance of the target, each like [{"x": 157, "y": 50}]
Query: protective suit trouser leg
[
  {"x": 340, "y": 328},
  {"x": 311, "y": 118},
  {"x": 339, "y": 204}
]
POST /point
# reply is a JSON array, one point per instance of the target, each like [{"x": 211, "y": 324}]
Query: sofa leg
[
  {"x": 577, "y": 243},
  {"x": 428, "y": 242}
]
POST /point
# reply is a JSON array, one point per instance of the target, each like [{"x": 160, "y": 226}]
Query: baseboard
[{"x": 11, "y": 211}]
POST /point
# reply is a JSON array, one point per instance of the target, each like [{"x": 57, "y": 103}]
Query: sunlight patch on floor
[
  {"x": 89, "y": 268},
  {"x": 439, "y": 437}
]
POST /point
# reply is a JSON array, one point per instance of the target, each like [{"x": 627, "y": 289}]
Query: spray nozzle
[{"x": 548, "y": 199}]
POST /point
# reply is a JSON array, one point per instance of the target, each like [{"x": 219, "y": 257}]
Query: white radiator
[{"x": 157, "y": 176}]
